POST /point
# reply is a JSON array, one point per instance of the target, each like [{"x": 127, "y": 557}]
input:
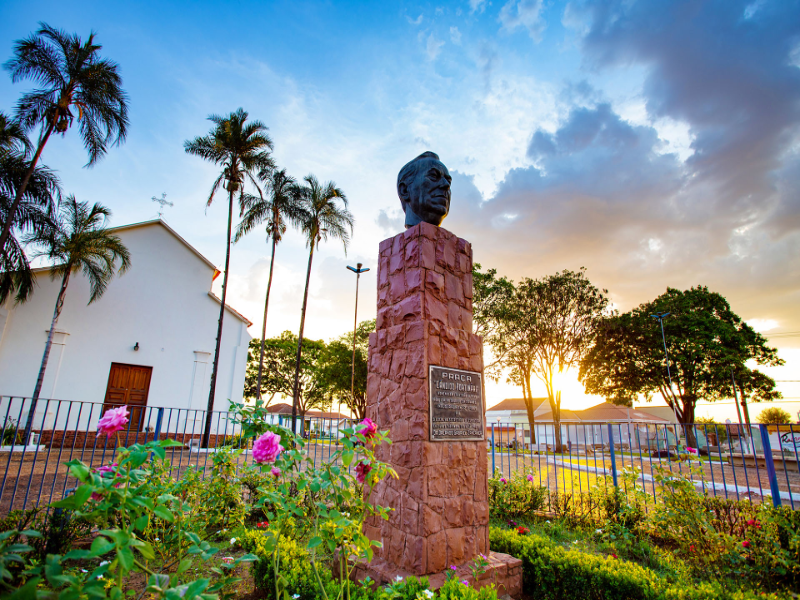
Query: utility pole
[
  {"x": 660, "y": 318},
  {"x": 358, "y": 271}
]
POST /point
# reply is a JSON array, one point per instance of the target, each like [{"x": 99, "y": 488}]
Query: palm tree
[
  {"x": 70, "y": 74},
  {"x": 319, "y": 220},
  {"x": 12, "y": 137},
  {"x": 243, "y": 151},
  {"x": 282, "y": 203},
  {"x": 34, "y": 214},
  {"x": 80, "y": 242},
  {"x": 35, "y": 210}
]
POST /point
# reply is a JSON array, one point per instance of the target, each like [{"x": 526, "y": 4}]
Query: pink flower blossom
[
  {"x": 691, "y": 450},
  {"x": 276, "y": 472},
  {"x": 368, "y": 429},
  {"x": 114, "y": 420},
  {"x": 465, "y": 582},
  {"x": 454, "y": 568},
  {"x": 227, "y": 559},
  {"x": 530, "y": 478},
  {"x": 503, "y": 480},
  {"x": 745, "y": 544},
  {"x": 362, "y": 470},
  {"x": 267, "y": 448}
]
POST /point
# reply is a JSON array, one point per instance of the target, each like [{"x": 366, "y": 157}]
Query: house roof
[
  {"x": 602, "y": 412},
  {"x": 515, "y": 404},
  {"x": 191, "y": 248},
  {"x": 233, "y": 311},
  {"x": 282, "y": 408}
]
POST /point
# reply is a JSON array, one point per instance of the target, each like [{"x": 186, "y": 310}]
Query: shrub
[
  {"x": 515, "y": 496},
  {"x": 295, "y": 567},
  {"x": 557, "y": 573}
]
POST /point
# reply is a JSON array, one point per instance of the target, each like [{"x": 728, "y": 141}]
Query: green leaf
[
  {"x": 125, "y": 556},
  {"x": 100, "y": 546},
  {"x": 79, "y": 470},
  {"x": 77, "y": 554},
  {"x": 146, "y": 550},
  {"x": 314, "y": 542},
  {"x": 347, "y": 457},
  {"x": 160, "y": 452},
  {"x": 164, "y": 513},
  {"x": 26, "y": 592},
  {"x": 141, "y": 522},
  {"x": 169, "y": 443}
]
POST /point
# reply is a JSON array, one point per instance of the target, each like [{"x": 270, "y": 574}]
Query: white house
[{"x": 147, "y": 342}]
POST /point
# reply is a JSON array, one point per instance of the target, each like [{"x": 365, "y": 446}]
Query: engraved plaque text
[{"x": 456, "y": 401}]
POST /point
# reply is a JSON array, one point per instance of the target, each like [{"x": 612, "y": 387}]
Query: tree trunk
[
  {"x": 528, "y": 396},
  {"x": 295, "y": 392},
  {"x": 18, "y": 197},
  {"x": 215, "y": 367},
  {"x": 555, "y": 406},
  {"x": 49, "y": 344},
  {"x": 688, "y": 421},
  {"x": 264, "y": 325}
]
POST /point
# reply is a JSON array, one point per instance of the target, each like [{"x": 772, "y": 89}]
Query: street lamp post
[
  {"x": 660, "y": 318},
  {"x": 358, "y": 271}
]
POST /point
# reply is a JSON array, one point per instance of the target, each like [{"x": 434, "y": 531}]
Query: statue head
[{"x": 424, "y": 189}]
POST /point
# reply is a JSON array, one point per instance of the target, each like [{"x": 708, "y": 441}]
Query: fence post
[
  {"x": 493, "y": 450},
  {"x": 613, "y": 454},
  {"x": 159, "y": 419},
  {"x": 771, "y": 474}
]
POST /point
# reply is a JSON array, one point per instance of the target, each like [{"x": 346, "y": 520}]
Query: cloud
[
  {"x": 523, "y": 13},
  {"x": 455, "y": 35},
  {"x": 416, "y": 21},
  {"x": 433, "y": 47},
  {"x": 477, "y": 6}
]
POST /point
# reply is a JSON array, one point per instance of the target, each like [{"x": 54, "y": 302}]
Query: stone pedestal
[{"x": 440, "y": 504}]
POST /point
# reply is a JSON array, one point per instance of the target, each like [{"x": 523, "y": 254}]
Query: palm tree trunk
[
  {"x": 18, "y": 198},
  {"x": 295, "y": 393},
  {"x": 264, "y": 325},
  {"x": 215, "y": 367},
  {"x": 40, "y": 379}
]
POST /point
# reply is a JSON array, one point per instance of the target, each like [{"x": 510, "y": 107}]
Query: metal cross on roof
[{"x": 163, "y": 202}]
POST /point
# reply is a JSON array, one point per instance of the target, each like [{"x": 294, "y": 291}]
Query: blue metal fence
[{"x": 760, "y": 464}]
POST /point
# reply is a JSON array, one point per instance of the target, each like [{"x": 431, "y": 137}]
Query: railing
[{"x": 760, "y": 466}]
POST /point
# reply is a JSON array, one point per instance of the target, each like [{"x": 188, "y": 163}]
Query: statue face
[{"x": 428, "y": 194}]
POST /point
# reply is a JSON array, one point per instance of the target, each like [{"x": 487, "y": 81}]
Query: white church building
[{"x": 148, "y": 342}]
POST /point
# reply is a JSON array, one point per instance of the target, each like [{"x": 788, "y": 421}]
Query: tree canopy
[
  {"x": 279, "y": 371},
  {"x": 774, "y": 415},
  {"x": 708, "y": 345}
]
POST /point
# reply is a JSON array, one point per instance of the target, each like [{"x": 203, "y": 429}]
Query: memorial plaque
[{"x": 456, "y": 401}]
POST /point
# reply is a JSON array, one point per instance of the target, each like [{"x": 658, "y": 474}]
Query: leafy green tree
[
  {"x": 774, "y": 416},
  {"x": 279, "y": 373},
  {"x": 282, "y": 203},
  {"x": 71, "y": 76},
  {"x": 320, "y": 218},
  {"x": 706, "y": 342},
  {"x": 548, "y": 327},
  {"x": 79, "y": 242},
  {"x": 336, "y": 369},
  {"x": 243, "y": 150}
]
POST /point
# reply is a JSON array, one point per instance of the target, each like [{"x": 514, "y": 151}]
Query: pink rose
[
  {"x": 362, "y": 469},
  {"x": 745, "y": 544},
  {"x": 276, "y": 472},
  {"x": 691, "y": 450},
  {"x": 114, "y": 420},
  {"x": 530, "y": 478},
  {"x": 503, "y": 480},
  {"x": 368, "y": 429},
  {"x": 267, "y": 448}
]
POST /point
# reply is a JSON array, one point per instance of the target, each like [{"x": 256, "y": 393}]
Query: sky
[{"x": 655, "y": 143}]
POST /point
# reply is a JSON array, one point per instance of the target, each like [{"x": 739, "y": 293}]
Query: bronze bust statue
[{"x": 424, "y": 189}]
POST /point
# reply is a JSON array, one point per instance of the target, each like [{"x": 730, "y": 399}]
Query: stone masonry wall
[{"x": 441, "y": 512}]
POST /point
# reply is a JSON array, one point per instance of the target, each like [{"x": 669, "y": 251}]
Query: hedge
[{"x": 552, "y": 572}]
